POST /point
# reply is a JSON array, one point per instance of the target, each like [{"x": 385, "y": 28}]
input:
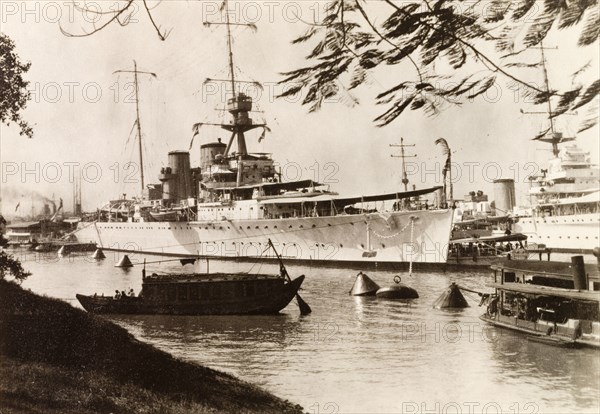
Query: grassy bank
[{"x": 58, "y": 359}]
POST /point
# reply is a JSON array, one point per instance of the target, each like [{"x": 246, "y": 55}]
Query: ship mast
[
  {"x": 135, "y": 72},
  {"x": 229, "y": 46},
  {"x": 403, "y": 156},
  {"x": 547, "y": 85},
  {"x": 239, "y": 105},
  {"x": 554, "y": 137}
]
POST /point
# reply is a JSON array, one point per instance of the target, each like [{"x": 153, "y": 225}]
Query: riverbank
[{"x": 58, "y": 359}]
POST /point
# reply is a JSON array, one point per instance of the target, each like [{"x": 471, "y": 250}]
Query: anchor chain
[{"x": 381, "y": 236}]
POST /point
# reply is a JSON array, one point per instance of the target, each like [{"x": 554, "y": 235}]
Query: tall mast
[
  {"x": 402, "y": 155},
  {"x": 137, "y": 111},
  {"x": 554, "y": 137},
  {"x": 239, "y": 105},
  {"x": 139, "y": 124},
  {"x": 229, "y": 46},
  {"x": 547, "y": 84}
]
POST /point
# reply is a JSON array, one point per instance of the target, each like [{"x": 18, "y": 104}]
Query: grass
[{"x": 58, "y": 359}]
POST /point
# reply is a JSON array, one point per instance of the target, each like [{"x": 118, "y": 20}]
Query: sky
[{"x": 83, "y": 113}]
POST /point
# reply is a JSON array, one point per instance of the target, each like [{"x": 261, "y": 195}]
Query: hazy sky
[{"x": 82, "y": 113}]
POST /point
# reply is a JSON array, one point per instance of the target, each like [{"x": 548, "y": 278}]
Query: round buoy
[
  {"x": 363, "y": 286},
  {"x": 63, "y": 251},
  {"x": 124, "y": 262},
  {"x": 451, "y": 298},
  {"x": 397, "y": 291},
  {"x": 98, "y": 255}
]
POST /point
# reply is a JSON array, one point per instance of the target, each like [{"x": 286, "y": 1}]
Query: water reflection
[
  {"x": 565, "y": 372},
  {"x": 361, "y": 353}
]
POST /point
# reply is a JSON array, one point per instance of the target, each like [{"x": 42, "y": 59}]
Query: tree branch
[
  {"x": 472, "y": 48},
  {"x": 366, "y": 17}
]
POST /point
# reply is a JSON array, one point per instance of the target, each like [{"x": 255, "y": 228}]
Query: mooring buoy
[
  {"x": 124, "y": 262},
  {"x": 363, "y": 286},
  {"x": 397, "y": 291},
  {"x": 98, "y": 255},
  {"x": 451, "y": 298}
]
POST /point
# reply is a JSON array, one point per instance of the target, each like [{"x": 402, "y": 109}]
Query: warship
[{"x": 236, "y": 200}]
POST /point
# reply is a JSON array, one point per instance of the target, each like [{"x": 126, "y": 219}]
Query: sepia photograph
[{"x": 299, "y": 206}]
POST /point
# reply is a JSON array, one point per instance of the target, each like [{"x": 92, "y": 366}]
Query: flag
[
  {"x": 196, "y": 131},
  {"x": 264, "y": 132}
]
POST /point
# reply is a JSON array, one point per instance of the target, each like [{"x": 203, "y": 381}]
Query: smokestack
[
  {"x": 504, "y": 196},
  {"x": 177, "y": 177}
]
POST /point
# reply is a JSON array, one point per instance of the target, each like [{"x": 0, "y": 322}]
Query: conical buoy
[
  {"x": 63, "y": 251},
  {"x": 363, "y": 286},
  {"x": 98, "y": 255},
  {"x": 124, "y": 262},
  {"x": 397, "y": 291},
  {"x": 451, "y": 298}
]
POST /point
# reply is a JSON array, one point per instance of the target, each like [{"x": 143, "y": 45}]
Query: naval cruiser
[{"x": 236, "y": 200}]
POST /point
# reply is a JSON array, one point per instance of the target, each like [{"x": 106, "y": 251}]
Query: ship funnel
[
  {"x": 177, "y": 177},
  {"x": 451, "y": 298},
  {"x": 580, "y": 279},
  {"x": 210, "y": 152},
  {"x": 124, "y": 262},
  {"x": 504, "y": 196},
  {"x": 364, "y": 286}
]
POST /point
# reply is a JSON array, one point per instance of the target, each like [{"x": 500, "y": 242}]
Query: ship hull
[
  {"x": 569, "y": 234},
  {"x": 398, "y": 237}
]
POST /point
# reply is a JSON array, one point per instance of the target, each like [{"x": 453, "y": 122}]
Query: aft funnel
[
  {"x": 363, "y": 286},
  {"x": 124, "y": 262},
  {"x": 451, "y": 298}
]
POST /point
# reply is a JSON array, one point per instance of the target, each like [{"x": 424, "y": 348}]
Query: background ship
[
  {"x": 236, "y": 200},
  {"x": 566, "y": 198}
]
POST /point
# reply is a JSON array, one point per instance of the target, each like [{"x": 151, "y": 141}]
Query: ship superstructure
[{"x": 565, "y": 201}]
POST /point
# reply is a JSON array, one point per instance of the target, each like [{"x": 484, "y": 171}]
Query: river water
[{"x": 353, "y": 355}]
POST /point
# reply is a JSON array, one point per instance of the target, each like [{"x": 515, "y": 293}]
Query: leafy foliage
[
  {"x": 14, "y": 96},
  {"x": 10, "y": 265},
  {"x": 441, "y": 40}
]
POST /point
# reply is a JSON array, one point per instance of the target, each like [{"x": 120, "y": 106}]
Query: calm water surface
[{"x": 353, "y": 355}]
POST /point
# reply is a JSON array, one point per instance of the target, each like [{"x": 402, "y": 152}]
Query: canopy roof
[
  {"x": 492, "y": 239},
  {"x": 545, "y": 268},
  {"x": 291, "y": 185},
  {"x": 345, "y": 201},
  {"x": 548, "y": 291},
  {"x": 23, "y": 225},
  {"x": 482, "y": 220}
]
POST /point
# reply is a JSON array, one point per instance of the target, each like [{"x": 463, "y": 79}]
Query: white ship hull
[
  {"x": 571, "y": 233},
  {"x": 417, "y": 236}
]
